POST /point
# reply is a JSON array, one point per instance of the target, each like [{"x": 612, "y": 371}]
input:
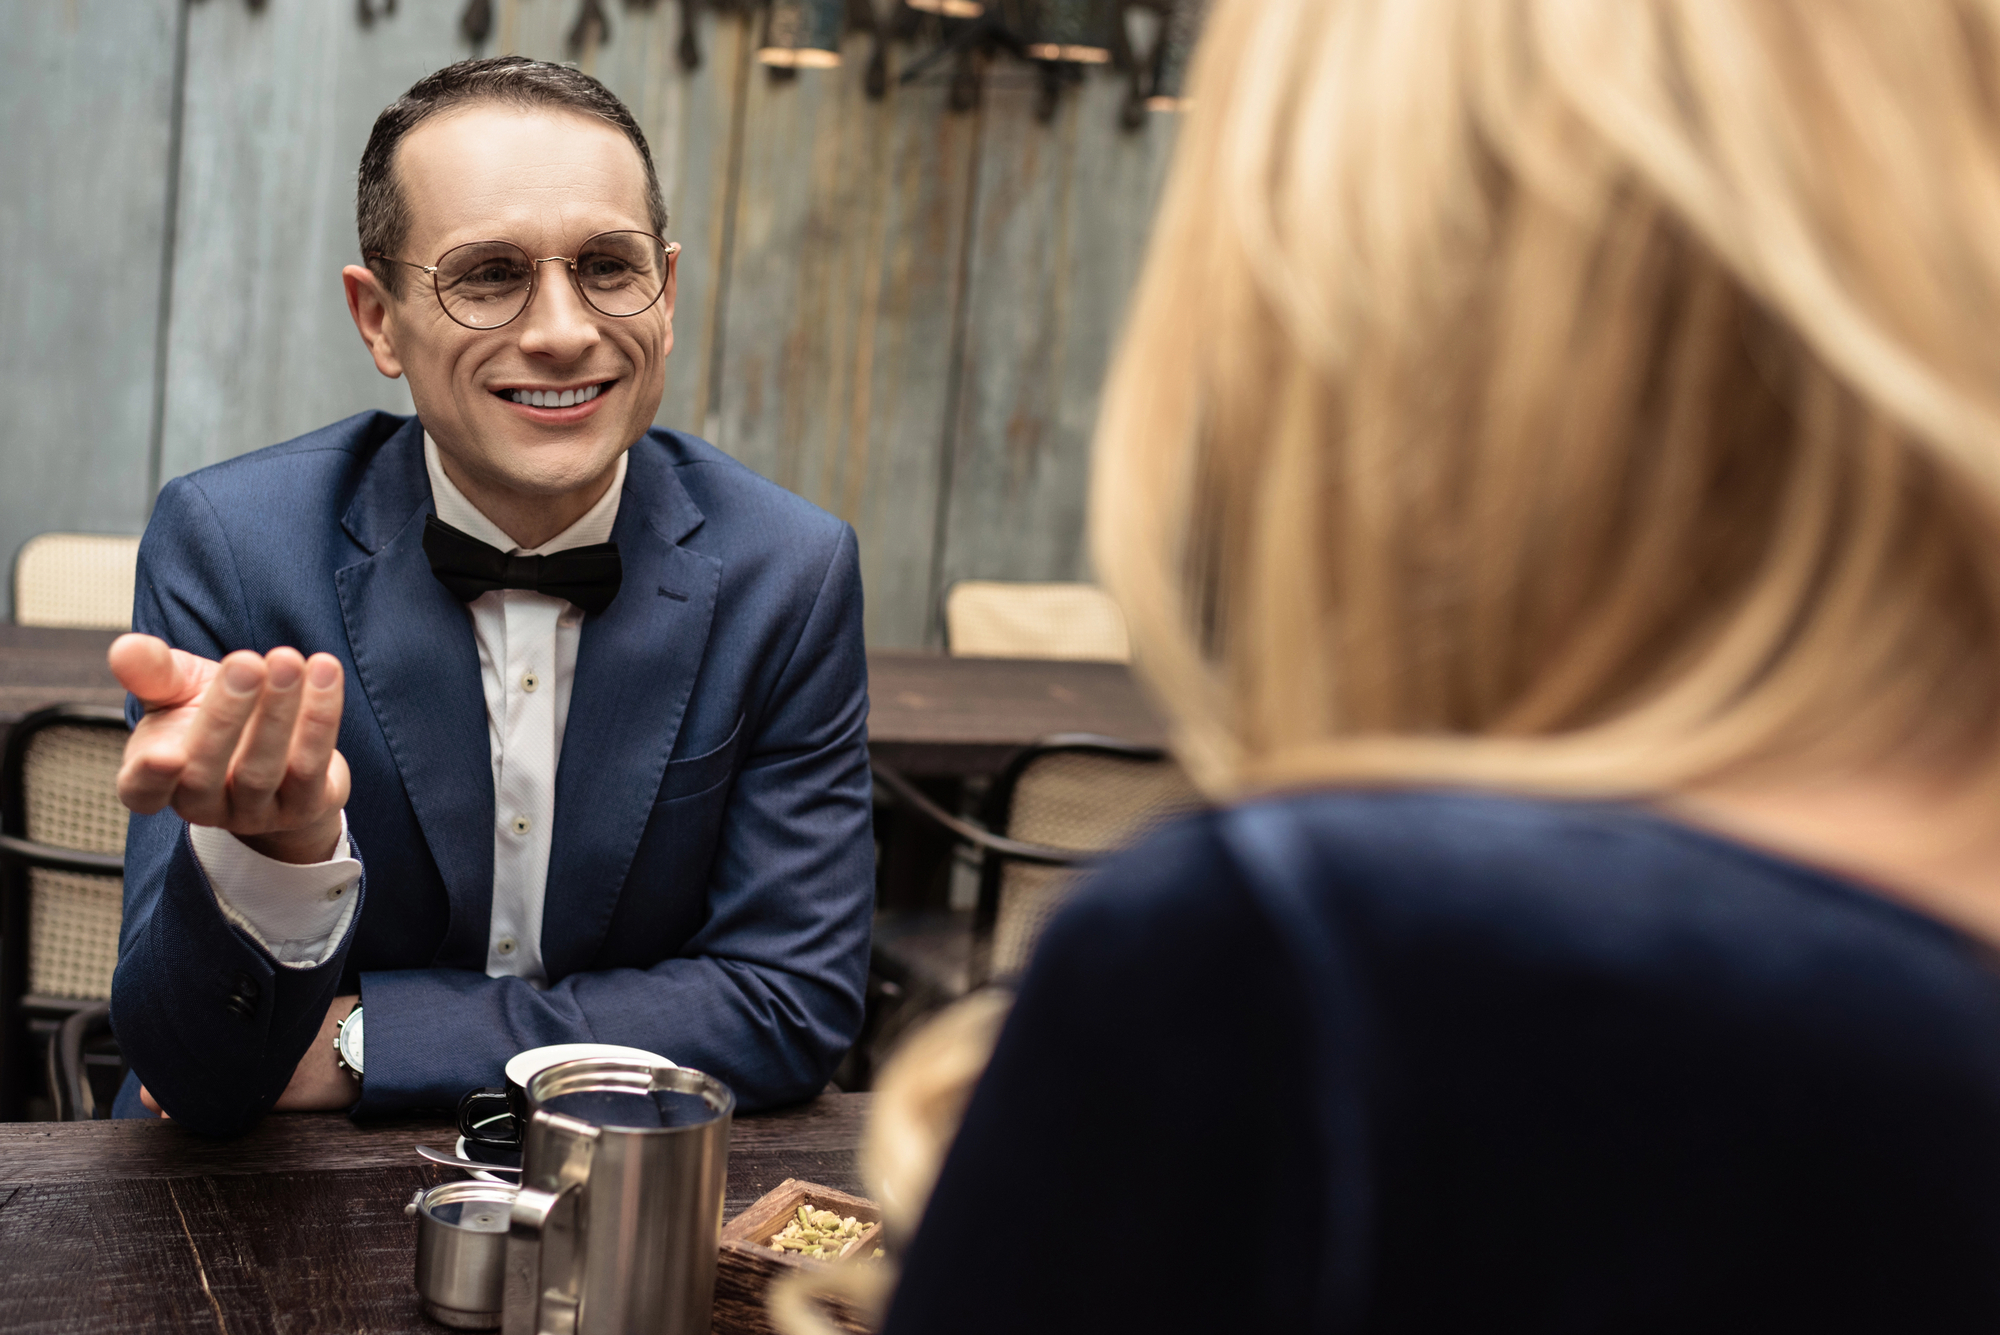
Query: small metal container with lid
[{"x": 462, "y": 1251}]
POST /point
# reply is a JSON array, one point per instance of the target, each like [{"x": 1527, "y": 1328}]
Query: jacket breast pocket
[{"x": 698, "y": 774}]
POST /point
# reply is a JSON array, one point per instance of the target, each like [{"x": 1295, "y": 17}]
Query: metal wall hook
[
  {"x": 476, "y": 23},
  {"x": 690, "y": 46},
  {"x": 862, "y": 17},
  {"x": 592, "y": 28}
]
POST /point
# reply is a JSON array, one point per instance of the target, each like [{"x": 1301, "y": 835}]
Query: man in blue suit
[{"x": 579, "y": 751}]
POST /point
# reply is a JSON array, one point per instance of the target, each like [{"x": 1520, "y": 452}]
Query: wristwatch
[{"x": 347, "y": 1043}]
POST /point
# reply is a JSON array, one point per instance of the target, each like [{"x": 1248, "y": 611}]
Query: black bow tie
[{"x": 586, "y": 576}]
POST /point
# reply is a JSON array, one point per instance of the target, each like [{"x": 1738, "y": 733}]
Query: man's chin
[
  {"x": 556, "y": 478},
  {"x": 543, "y": 463}
]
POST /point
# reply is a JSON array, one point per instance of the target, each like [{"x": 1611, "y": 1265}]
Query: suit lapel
[
  {"x": 418, "y": 665},
  {"x": 635, "y": 669}
]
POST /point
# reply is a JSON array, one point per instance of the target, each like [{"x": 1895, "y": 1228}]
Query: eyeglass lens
[{"x": 486, "y": 283}]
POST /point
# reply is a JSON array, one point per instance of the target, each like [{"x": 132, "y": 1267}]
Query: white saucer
[{"x": 525, "y": 1066}]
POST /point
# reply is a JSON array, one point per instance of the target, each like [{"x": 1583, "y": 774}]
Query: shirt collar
[{"x": 454, "y": 509}]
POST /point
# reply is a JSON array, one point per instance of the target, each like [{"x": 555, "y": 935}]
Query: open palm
[{"x": 246, "y": 744}]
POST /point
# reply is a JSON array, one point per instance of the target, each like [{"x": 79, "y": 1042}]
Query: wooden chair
[
  {"x": 996, "y": 619},
  {"x": 62, "y": 847},
  {"x": 76, "y": 579},
  {"x": 1058, "y": 807}
]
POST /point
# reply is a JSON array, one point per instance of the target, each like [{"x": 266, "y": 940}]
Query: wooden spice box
[{"x": 748, "y": 1266}]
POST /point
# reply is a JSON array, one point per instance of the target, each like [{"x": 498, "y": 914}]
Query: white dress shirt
[{"x": 527, "y": 664}]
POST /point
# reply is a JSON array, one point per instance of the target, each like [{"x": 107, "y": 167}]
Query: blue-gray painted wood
[
  {"x": 1059, "y": 230},
  {"x": 86, "y": 99},
  {"x": 849, "y": 235},
  {"x": 826, "y": 241},
  {"x": 279, "y": 104}
]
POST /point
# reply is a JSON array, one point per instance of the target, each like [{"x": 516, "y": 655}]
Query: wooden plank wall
[
  {"x": 900, "y": 312},
  {"x": 86, "y": 97}
]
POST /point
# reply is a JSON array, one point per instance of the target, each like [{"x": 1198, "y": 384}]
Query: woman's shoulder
[
  {"x": 1600, "y": 887},
  {"x": 1439, "y": 845}
]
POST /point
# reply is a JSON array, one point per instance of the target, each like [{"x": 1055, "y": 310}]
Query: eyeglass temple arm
[
  {"x": 671, "y": 247},
  {"x": 421, "y": 268}
]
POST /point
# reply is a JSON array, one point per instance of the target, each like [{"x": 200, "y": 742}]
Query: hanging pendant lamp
[
  {"x": 1077, "y": 31},
  {"x": 803, "y": 34}
]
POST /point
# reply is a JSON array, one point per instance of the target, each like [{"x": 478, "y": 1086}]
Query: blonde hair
[
  {"x": 1568, "y": 395},
  {"x": 1577, "y": 395},
  {"x": 921, "y": 1098}
]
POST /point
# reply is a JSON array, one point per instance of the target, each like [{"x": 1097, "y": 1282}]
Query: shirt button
[
  {"x": 530, "y": 682},
  {"x": 521, "y": 824},
  {"x": 336, "y": 892},
  {"x": 505, "y": 945}
]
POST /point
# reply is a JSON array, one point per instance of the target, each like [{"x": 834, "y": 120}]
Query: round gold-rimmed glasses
[{"x": 486, "y": 284}]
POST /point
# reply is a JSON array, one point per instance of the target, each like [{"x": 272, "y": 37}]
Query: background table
[
  {"x": 930, "y": 715},
  {"x": 44, "y": 666},
  {"x": 297, "y": 1226},
  {"x": 935, "y": 716}
]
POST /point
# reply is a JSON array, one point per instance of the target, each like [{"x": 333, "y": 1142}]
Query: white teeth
[{"x": 550, "y": 398}]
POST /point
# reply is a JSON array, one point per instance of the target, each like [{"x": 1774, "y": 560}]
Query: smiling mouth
[{"x": 554, "y": 398}]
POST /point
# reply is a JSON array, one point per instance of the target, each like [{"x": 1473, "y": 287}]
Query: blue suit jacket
[{"x": 711, "y": 869}]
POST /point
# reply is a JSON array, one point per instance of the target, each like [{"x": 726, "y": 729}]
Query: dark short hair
[{"x": 382, "y": 214}]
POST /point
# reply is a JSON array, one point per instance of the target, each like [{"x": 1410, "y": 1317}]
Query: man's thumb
[{"x": 145, "y": 666}]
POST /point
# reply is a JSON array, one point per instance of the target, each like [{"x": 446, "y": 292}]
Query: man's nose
[{"x": 557, "y": 323}]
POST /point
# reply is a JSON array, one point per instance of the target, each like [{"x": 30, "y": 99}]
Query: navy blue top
[{"x": 1445, "y": 1062}]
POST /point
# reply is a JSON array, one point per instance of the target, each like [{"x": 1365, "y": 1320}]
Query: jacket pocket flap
[{"x": 696, "y": 774}]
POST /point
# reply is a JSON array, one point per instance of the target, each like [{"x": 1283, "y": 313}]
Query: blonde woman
[{"x": 1553, "y": 476}]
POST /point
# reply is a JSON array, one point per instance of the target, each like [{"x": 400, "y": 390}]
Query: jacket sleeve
[
  {"x": 210, "y": 1022},
  {"x": 767, "y": 995}
]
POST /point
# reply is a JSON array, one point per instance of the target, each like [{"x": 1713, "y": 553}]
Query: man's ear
[
  {"x": 369, "y": 305},
  {"x": 673, "y": 279}
]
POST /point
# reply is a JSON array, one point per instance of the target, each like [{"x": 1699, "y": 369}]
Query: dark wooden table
[
  {"x": 935, "y": 716},
  {"x": 297, "y": 1226},
  {"x": 40, "y": 666},
  {"x": 930, "y": 716}
]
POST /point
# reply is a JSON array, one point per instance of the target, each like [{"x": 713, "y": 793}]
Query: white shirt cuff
[{"x": 297, "y": 911}]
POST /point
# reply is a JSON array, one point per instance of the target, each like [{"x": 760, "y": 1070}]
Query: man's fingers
[
  {"x": 160, "y": 677},
  {"x": 197, "y": 671},
  {"x": 309, "y": 781},
  {"x": 152, "y": 768},
  {"x": 260, "y": 763},
  {"x": 338, "y": 782},
  {"x": 247, "y": 744},
  {"x": 213, "y": 737}
]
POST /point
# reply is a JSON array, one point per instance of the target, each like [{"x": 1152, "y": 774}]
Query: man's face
[{"x": 546, "y": 180}]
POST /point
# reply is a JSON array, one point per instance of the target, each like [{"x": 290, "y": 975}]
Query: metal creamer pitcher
[{"x": 618, "y": 1219}]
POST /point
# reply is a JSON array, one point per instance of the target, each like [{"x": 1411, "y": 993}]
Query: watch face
[{"x": 349, "y": 1040}]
